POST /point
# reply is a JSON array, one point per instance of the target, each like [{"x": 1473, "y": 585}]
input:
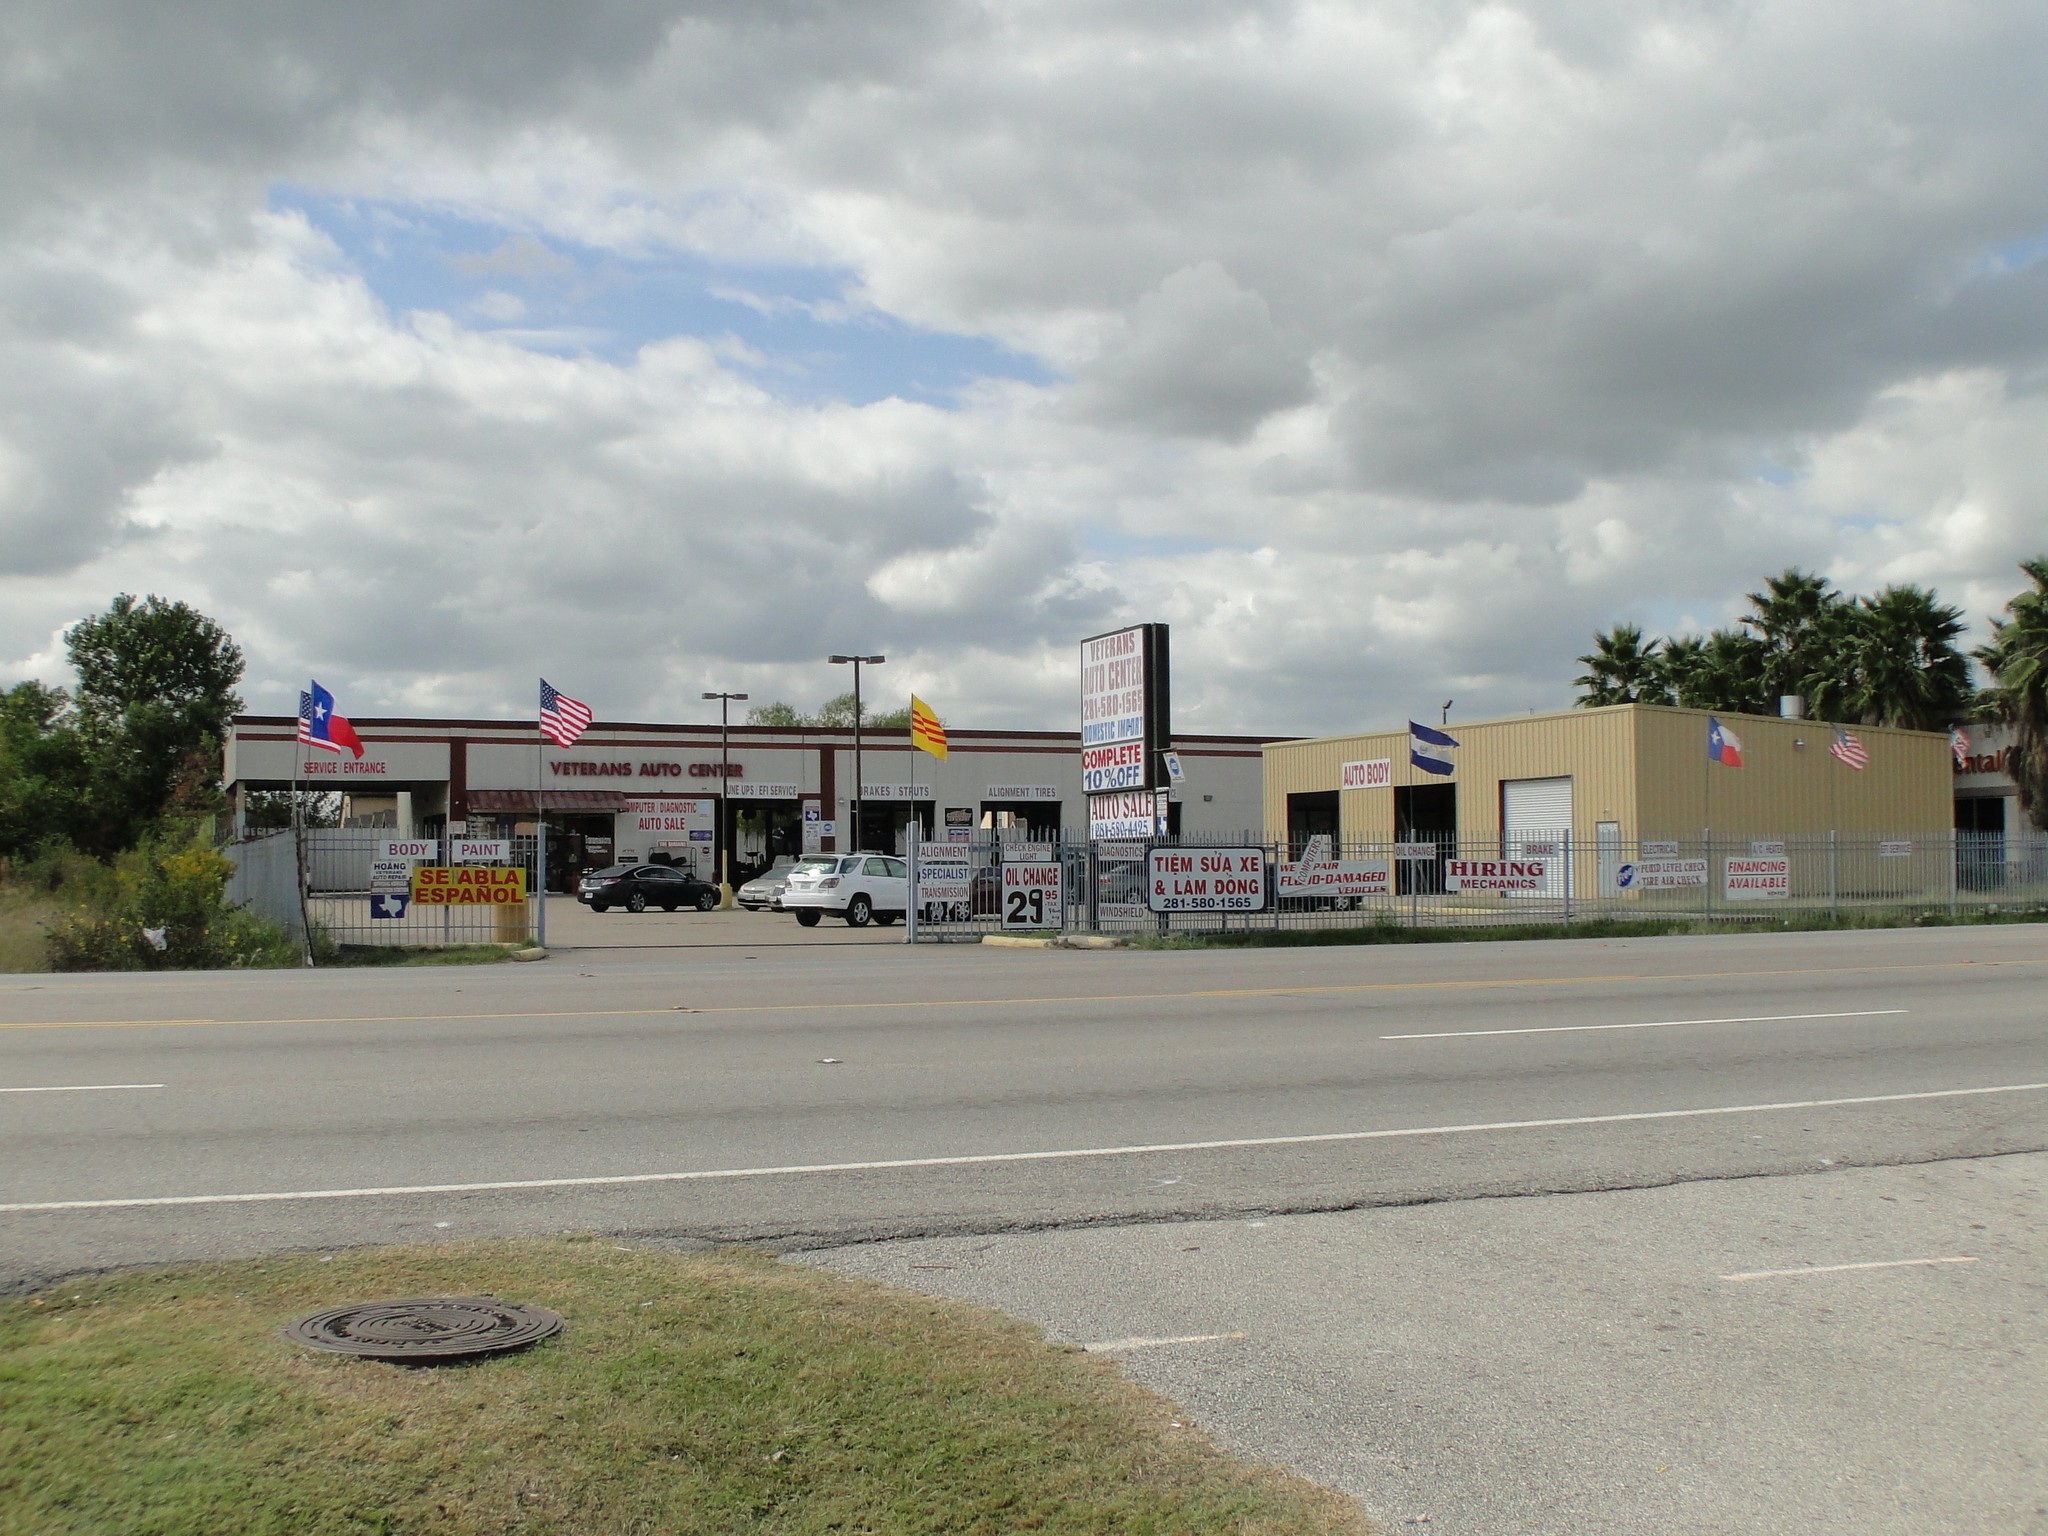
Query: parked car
[
  {"x": 859, "y": 887},
  {"x": 765, "y": 889},
  {"x": 636, "y": 887}
]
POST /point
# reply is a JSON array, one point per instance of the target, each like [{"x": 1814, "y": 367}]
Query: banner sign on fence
[
  {"x": 1128, "y": 813},
  {"x": 1759, "y": 879},
  {"x": 1377, "y": 773},
  {"x": 391, "y": 874},
  {"x": 1662, "y": 875},
  {"x": 389, "y": 904},
  {"x": 407, "y": 848},
  {"x": 1415, "y": 853},
  {"x": 1206, "y": 880},
  {"x": 1344, "y": 877},
  {"x": 470, "y": 886},
  {"x": 1027, "y": 853},
  {"x": 1120, "y": 765},
  {"x": 1664, "y": 849},
  {"x": 945, "y": 880},
  {"x": 1031, "y": 895},
  {"x": 1766, "y": 848},
  {"x": 1899, "y": 850},
  {"x": 479, "y": 850},
  {"x": 1493, "y": 874}
]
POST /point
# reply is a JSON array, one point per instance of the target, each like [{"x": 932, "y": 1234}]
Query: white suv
[{"x": 860, "y": 887}]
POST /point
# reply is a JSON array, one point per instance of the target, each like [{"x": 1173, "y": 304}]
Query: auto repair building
[
  {"x": 635, "y": 791},
  {"x": 1609, "y": 780}
]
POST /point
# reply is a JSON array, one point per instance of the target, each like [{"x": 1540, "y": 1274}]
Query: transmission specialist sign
[
  {"x": 1494, "y": 874},
  {"x": 945, "y": 880},
  {"x": 474, "y": 885},
  {"x": 1758, "y": 879},
  {"x": 1336, "y": 877},
  {"x": 1206, "y": 880}
]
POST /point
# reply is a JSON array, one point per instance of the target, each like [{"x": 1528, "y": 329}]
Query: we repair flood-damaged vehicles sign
[
  {"x": 1206, "y": 880},
  {"x": 1334, "y": 877}
]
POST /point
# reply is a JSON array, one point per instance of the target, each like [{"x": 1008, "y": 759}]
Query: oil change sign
[
  {"x": 1031, "y": 895},
  {"x": 1206, "y": 880},
  {"x": 469, "y": 886}
]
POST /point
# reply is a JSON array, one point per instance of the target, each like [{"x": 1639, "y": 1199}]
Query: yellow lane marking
[{"x": 898, "y": 1004}]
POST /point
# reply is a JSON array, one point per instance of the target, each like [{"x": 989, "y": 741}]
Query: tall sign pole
[
  {"x": 859, "y": 786},
  {"x": 727, "y": 823}
]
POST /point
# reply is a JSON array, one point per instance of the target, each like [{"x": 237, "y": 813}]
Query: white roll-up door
[{"x": 1536, "y": 822}]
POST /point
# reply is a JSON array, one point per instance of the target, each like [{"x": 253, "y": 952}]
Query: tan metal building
[{"x": 1610, "y": 778}]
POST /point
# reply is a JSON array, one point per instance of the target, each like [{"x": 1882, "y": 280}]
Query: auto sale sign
[
  {"x": 1119, "y": 766},
  {"x": 1493, "y": 874},
  {"x": 475, "y": 885},
  {"x": 1206, "y": 880}
]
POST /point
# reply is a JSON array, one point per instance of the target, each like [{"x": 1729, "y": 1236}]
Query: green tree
[
  {"x": 1799, "y": 617},
  {"x": 1895, "y": 663},
  {"x": 1621, "y": 669},
  {"x": 156, "y": 687},
  {"x": 2017, "y": 660},
  {"x": 780, "y": 713},
  {"x": 45, "y": 770},
  {"x": 835, "y": 714},
  {"x": 1724, "y": 671}
]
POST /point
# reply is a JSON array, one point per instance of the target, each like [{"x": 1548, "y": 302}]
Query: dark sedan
[{"x": 636, "y": 887}]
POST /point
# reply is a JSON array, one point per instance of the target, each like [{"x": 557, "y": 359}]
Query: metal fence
[
  {"x": 357, "y": 893},
  {"x": 1441, "y": 881}
]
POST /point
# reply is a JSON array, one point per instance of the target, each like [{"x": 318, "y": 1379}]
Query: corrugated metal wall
[{"x": 1788, "y": 784}]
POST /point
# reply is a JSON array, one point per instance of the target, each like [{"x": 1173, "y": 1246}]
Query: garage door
[{"x": 1536, "y": 821}]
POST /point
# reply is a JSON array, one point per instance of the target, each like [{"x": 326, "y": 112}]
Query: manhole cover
[{"x": 436, "y": 1328}]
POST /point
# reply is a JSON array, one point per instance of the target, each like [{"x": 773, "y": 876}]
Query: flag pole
[
  {"x": 299, "y": 849},
  {"x": 540, "y": 845}
]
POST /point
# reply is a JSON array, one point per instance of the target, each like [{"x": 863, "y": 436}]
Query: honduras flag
[{"x": 1429, "y": 748}]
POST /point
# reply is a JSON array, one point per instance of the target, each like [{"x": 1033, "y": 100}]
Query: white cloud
[{"x": 1390, "y": 344}]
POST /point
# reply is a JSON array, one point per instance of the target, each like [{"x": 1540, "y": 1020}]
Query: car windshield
[
  {"x": 609, "y": 872},
  {"x": 812, "y": 864}
]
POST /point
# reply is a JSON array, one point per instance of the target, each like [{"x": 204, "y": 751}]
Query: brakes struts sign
[
  {"x": 1758, "y": 879},
  {"x": 473, "y": 885},
  {"x": 1338, "y": 877},
  {"x": 1494, "y": 874},
  {"x": 1206, "y": 880}
]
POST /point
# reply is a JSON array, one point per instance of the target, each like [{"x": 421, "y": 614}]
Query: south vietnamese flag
[
  {"x": 926, "y": 733},
  {"x": 1723, "y": 745},
  {"x": 320, "y": 726}
]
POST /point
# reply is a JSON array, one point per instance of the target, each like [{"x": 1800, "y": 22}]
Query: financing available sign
[
  {"x": 475, "y": 885},
  {"x": 1206, "y": 880},
  {"x": 1336, "y": 877},
  {"x": 1494, "y": 874},
  {"x": 1758, "y": 879}
]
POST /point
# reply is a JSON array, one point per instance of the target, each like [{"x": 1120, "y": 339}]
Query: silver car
[{"x": 765, "y": 889}]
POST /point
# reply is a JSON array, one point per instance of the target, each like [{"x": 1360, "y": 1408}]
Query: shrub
[{"x": 163, "y": 906}]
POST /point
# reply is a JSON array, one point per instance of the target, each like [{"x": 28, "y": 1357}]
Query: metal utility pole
[
  {"x": 726, "y": 822},
  {"x": 858, "y": 662}
]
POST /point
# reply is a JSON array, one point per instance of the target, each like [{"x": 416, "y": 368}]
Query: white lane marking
[
  {"x": 967, "y": 1160},
  {"x": 85, "y": 1088},
  {"x": 1573, "y": 1029},
  {"x": 1837, "y": 1269},
  {"x": 1108, "y": 1345}
]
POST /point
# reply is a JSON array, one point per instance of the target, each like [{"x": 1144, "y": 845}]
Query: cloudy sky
[{"x": 1384, "y": 350}]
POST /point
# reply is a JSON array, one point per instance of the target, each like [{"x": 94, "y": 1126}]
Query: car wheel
[
  {"x": 886, "y": 918},
  {"x": 636, "y": 903},
  {"x": 668, "y": 906},
  {"x": 807, "y": 919},
  {"x": 706, "y": 900},
  {"x": 859, "y": 911},
  {"x": 600, "y": 906}
]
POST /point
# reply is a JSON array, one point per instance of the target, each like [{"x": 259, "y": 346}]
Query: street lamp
[
  {"x": 725, "y": 819},
  {"x": 858, "y": 662}
]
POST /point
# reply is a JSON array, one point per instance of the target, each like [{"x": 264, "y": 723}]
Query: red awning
[{"x": 554, "y": 800}]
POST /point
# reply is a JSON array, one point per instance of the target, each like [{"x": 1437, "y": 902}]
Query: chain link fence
[{"x": 966, "y": 890}]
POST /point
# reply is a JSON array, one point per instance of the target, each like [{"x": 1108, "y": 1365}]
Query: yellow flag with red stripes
[{"x": 925, "y": 730}]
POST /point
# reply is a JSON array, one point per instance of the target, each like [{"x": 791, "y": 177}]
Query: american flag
[
  {"x": 562, "y": 719},
  {"x": 1846, "y": 748}
]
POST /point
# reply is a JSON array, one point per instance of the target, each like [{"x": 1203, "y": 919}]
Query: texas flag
[
  {"x": 1723, "y": 745},
  {"x": 320, "y": 726}
]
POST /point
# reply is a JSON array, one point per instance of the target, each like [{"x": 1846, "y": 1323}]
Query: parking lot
[{"x": 572, "y": 925}]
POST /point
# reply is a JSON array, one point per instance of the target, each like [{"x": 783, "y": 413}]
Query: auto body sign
[{"x": 1206, "y": 880}]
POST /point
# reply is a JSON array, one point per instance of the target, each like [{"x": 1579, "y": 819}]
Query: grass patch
[
  {"x": 1592, "y": 928},
  {"x": 401, "y": 954},
  {"x": 26, "y": 918},
  {"x": 688, "y": 1395}
]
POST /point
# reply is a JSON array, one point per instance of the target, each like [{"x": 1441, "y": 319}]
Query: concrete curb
[
  {"x": 1064, "y": 941},
  {"x": 529, "y": 954}
]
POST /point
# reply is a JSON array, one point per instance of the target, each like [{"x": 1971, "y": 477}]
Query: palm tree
[
  {"x": 1621, "y": 669},
  {"x": 1723, "y": 671},
  {"x": 1798, "y": 618},
  {"x": 1896, "y": 663},
  {"x": 2017, "y": 659}
]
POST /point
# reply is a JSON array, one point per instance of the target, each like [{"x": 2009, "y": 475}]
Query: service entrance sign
[
  {"x": 1031, "y": 895},
  {"x": 1207, "y": 880}
]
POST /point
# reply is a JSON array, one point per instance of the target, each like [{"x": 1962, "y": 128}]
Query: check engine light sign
[{"x": 1207, "y": 880}]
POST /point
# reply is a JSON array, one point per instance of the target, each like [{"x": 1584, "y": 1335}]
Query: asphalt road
[{"x": 1459, "y": 1326}]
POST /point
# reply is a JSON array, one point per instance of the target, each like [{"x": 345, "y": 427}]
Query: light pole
[
  {"x": 726, "y": 824},
  {"x": 858, "y": 663}
]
